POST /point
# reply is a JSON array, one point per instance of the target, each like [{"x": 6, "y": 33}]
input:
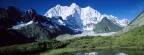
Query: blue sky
[{"x": 121, "y": 8}]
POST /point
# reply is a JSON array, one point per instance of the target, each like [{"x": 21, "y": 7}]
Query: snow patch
[
  {"x": 21, "y": 24},
  {"x": 47, "y": 25},
  {"x": 61, "y": 22}
]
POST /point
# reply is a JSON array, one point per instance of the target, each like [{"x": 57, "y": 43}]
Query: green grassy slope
[
  {"x": 31, "y": 48},
  {"x": 132, "y": 38}
]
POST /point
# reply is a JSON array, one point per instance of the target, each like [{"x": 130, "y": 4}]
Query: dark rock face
[
  {"x": 29, "y": 15},
  {"x": 106, "y": 26},
  {"x": 35, "y": 32},
  {"x": 10, "y": 37},
  {"x": 41, "y": 28},
  {"x": 9, "y": 16}
]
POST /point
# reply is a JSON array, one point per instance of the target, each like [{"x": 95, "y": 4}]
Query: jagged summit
[
  {"x": 84, "y": 18},
  {"x": 73, "y": 5},
  {"x": 31, "y": 10}
]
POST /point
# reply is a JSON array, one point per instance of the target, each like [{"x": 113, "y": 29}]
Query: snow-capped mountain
[
  {"x": 21, "y": 27},
  {"x": 82, "y": 18}
]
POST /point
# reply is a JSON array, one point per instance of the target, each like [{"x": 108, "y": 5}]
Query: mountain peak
[
  {"x": 73, "y": 5},
  {"x": 88, "y": 7},
  {"x": 124, "y": 22},
  {"x": 85, "y": 18},
  {"x": 58, "y": 5},
  {"x": 31, "y": 10}
]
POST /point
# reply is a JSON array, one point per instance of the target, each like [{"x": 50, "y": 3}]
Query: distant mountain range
[
  {"x": 18, "y": 27},
  {"x": 78, "y": 18}
]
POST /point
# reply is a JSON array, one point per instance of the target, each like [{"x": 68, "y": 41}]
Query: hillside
[
  {"x": 106, "y": 26},
  {"x": 134, "y": 37},
  {"x": 138, "y": 21},
  {"x": 131, "y": 43}
]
